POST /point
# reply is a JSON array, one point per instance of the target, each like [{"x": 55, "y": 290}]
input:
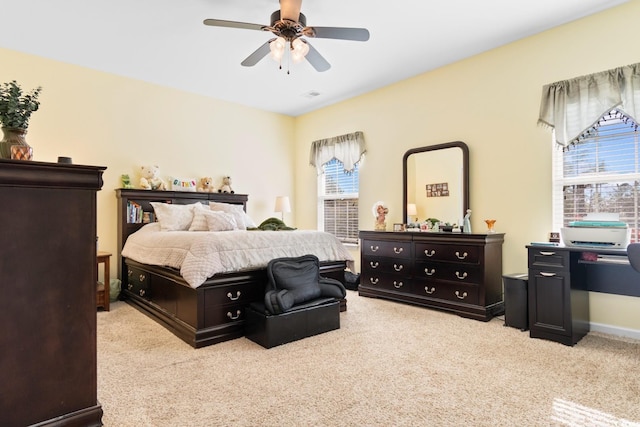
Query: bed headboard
[{"x": 130, "y": 200}]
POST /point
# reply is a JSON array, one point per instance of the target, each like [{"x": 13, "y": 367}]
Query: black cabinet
[
  {"x": 558, "y": 297},
  {"x": 456, "y": 272}
]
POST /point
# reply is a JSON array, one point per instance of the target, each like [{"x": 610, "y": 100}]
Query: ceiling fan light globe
[
  {"x": 299, "y": 50},
  {"x": 277, "y": 48},
  {"x": 296, "y": 57}
]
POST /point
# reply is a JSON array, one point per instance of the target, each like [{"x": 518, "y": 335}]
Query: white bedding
[{"x": 201, "y": 254}]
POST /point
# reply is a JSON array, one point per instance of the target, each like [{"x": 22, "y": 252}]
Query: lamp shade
[
  {"x": 282, "y": 204},
  {"x": 411, "y": 209}
]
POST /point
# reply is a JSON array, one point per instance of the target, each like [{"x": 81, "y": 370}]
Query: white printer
[{"x": 597, "y": 230}]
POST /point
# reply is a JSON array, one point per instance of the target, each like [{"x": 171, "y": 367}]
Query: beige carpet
[{"x": 389, "y": 364}]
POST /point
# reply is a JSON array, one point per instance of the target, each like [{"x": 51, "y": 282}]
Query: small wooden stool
[{"x": 103, "y": 292}]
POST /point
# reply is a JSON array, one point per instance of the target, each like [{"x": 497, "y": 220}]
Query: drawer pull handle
[
  {"x": 464, "y": 295},
  {"x": 397, "y": 267},
  {"x": 374, "y": 264},
  {"x": 374, "y": 280},
  {"x": 461, "y": 277},
  {"x": 542, "y": 273},
  {"x": 232, "y": 317},
  {"x": 429, "y": 290},
  {"x": 464, "y": 255},
  {"x": 397, "y": 285},
  {"x": 430, "y": 253},
  {"x": 130, "y": 286},
  {"x": 429, "y": 272},
  {"x": 398, "y": 250},
  {"x": 142, "y": 277},
  {"x": 142, "y": 292},
  {"x": 545, "y": 253},
  {"x": 130, "y": 273},
  {"x": 374, "y": 248},
  {"x": 232, "y": 298}
]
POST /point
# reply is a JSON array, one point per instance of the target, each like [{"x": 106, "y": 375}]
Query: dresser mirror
[{"x": 436, "y": 180}]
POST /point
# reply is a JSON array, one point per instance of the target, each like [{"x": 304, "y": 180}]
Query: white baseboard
[{"x": 615, "y": 330}]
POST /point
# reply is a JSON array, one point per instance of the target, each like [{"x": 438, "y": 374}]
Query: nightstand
[{"x": 103, "y": 294}]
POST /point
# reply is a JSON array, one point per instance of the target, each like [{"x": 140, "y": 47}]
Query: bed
[{"x": 200, "y": 305}]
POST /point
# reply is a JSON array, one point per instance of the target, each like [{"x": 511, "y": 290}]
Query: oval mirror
[{"x": 435, "y": 180}]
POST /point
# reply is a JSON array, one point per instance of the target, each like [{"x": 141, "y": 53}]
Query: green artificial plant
[{"x": 15, "y": 106}]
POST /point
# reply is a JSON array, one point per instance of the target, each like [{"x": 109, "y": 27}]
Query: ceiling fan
[{"x": 289, "y": 26}]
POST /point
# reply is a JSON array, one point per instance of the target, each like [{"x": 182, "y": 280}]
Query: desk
[
  {"x": 560, "y": 279},
  {"x": 103, "y": 292}
]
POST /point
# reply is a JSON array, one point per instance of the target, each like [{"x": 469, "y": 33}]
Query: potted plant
[{"x": 16, "y": 108}]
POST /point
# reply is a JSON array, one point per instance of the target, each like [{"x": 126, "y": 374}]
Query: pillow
[
  {"x": 208, "y": 220},
  {"x": 220, "y": 221},
  {"x": 183, "y": 184},
  {"x": 173, "y": 217},
  {"x": 243, "y": 220}
]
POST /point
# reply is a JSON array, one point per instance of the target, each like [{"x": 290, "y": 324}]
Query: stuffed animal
[
  {"x": 206, "y": 185},
  {"x": 150, "y": 179},
  {"x": 126, "y": 181},
  {"x": 226, "y": 185}
]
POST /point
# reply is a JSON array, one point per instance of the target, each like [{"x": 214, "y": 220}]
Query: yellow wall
[
  {"x": 103, "y": 119},
  {"x": 489, "y": 101}
]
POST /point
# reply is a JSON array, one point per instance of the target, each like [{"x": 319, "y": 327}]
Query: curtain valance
[
  {"x": 571, "y": 107},
  {"x": 348, "y": 149}
]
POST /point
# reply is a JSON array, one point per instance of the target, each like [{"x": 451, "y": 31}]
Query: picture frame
[{"x": 398, "y": 227}]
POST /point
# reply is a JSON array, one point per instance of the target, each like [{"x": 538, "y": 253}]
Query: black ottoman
[{"x": 304, "y": 320}]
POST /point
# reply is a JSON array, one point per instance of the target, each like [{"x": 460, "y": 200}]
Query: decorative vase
[
  {"x": 13, "y": 137},
  {"x": 490, "y": 225}
]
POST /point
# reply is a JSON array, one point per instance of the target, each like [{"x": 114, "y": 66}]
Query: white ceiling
[{"x": 165, "y": 41}]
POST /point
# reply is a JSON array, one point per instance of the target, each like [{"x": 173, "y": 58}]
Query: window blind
[
  {"x": 338, "y": 201},
  {"x": 601, "y": 173}
]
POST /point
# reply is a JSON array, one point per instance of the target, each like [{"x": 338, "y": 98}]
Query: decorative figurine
[
  {"x": 380, "y": 212},
  {"x": 466, "y": 223}
]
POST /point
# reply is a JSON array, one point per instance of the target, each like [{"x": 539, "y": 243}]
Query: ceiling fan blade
[
  {"x": 316, "y": 60},
  {"x": 290, "y": 9},
  {"x": 256, "y": 56},
  {"x": 233, "y": 24},
  {"x": 341, "y": 33}
]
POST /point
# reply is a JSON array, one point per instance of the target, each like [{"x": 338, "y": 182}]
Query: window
[
  {"x": 600, "y": 173},
  {"x": 338, "y": 201}
]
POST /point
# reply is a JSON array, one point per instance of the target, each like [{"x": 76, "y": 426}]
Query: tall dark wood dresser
[{"x": 48, "y": 364}]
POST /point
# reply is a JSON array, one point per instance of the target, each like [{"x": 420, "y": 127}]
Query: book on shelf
[{"x": 134, "y": 212}]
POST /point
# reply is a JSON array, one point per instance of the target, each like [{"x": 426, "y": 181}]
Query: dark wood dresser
[
  {"x": 457, "y": 272},
  {"x": 48, "y": 366}
]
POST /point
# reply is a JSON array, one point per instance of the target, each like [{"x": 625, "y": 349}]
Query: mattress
[{"x": 202, "y": 254}]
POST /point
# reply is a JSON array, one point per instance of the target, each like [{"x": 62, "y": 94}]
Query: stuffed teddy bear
[
  {"x": 226, "y": 185},
  {"x": 150, "y": 179},
  {"x": 206, "y": 185}
]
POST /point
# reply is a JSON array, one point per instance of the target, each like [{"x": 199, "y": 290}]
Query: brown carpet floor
[{"x": 389, "y": 364}]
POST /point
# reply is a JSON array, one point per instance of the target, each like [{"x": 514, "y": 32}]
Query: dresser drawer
[
  {"x": 380, "y": 248},
  {"x": 461, "y": 293},
  {"x": 547, "y": 258},
  {"x": 459, "y": 273},
  {"x": 237, "y": 294},
  {"x": 467, "y": 254},
  {"x": 385, "y": 281},
  {"x": 138, "y": 282},
  {"x": 376, "y": 265},
  {"x": 228, "y": 314}
]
